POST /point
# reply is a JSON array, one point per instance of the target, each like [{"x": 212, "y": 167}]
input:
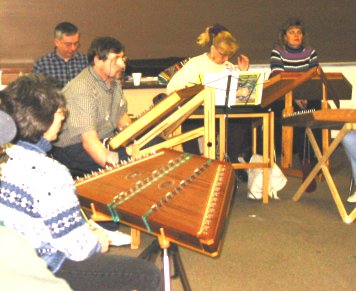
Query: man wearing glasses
[
  {"x": 64, "y": 62},
  {"x": 97, "y": 109}
]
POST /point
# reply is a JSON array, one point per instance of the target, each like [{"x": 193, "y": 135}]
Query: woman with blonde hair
[{"x": 222, "y": 46}]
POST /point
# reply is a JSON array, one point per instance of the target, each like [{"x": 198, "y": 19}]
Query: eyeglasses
[
  {"x": 116, "y": 58},
  {"x": 124, "y": 59},
  {"x": 71, "y": 44},
  {"x": 224, "y": 54}
]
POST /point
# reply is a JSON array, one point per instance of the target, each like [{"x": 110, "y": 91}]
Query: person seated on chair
[
  {"x": 38, "y": 198},
  {"x": 292, "y": 53},
  {"x": 21, "y": 268},
  {"x": 64, "y": 62},
  {"x": 349, "y": 142},
  {"x": 222, "y": 45},
  {"x": 97, "y": 109}
]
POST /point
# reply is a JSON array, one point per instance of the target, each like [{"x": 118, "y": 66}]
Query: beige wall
[{"x": 157, "y": 28}]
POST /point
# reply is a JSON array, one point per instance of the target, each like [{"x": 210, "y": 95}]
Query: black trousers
[
  {"x": 78, "y": 160},
  {"x": 111, "y": 272}
]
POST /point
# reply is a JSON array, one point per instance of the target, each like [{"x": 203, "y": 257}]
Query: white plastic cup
[{"x": 136, "y": 78}]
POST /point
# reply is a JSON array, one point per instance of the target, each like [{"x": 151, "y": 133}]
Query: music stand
[
  {"x": 216, "y": 82},
  {"x": 226, "y": 155}
]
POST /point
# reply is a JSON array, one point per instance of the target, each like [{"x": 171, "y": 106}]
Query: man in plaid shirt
[{"x": 64, "y": 62}]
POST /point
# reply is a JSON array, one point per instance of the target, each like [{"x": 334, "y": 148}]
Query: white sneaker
[
  {"x": 241, "y": 160},
  {"x": 117, "y": 238},
  {"x": 352, "y": 198}
]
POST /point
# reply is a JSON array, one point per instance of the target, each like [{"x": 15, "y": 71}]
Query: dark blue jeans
[
  {"x": 78, "y": 160},
  {"x": 111, "y": 272}
]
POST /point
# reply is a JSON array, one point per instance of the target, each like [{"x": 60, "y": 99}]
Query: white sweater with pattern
[{"x": 38, "y": 199}]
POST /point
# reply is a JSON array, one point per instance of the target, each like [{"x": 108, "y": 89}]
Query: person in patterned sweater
[
  {"x": 292, "y": 54},
  {"x": 38, "y": 198}
]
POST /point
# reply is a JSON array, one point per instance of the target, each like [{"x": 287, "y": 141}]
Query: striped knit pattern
[
  {"x": 37, "y": 198},
  {"x": 293, "y": 60}
]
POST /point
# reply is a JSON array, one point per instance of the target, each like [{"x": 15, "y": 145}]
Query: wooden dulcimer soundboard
[{"x": 188, "y": 196}]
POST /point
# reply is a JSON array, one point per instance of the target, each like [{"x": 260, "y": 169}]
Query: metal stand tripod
[{"x": 151, "y": 253}]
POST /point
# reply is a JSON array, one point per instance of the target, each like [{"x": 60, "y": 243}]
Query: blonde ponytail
[
  {"x": 218, "y": 36},
  {"x": 205, "y": 37}
]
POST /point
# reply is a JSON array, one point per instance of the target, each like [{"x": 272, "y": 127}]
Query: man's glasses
[
  {"x": 116, "y": 58},
  {"x": 71, "y": 44}
]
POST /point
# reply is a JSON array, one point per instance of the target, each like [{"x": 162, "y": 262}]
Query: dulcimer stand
[
  {"x": 345, "y": 121},
  {"x": 168, "y": 250},
  {"x": 311, "y": 85}
]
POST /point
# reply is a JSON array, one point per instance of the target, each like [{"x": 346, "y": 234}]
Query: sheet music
[
  {"x": 245, "y": 87},
  {"x": 250, "y": 87},
  {"x": 219, "y": 81}
]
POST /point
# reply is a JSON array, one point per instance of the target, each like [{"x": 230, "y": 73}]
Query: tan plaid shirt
[{"x": 92, "y": 105}]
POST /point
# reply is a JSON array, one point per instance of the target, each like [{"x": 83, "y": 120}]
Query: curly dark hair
[{"x": 32, "y": 101}]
